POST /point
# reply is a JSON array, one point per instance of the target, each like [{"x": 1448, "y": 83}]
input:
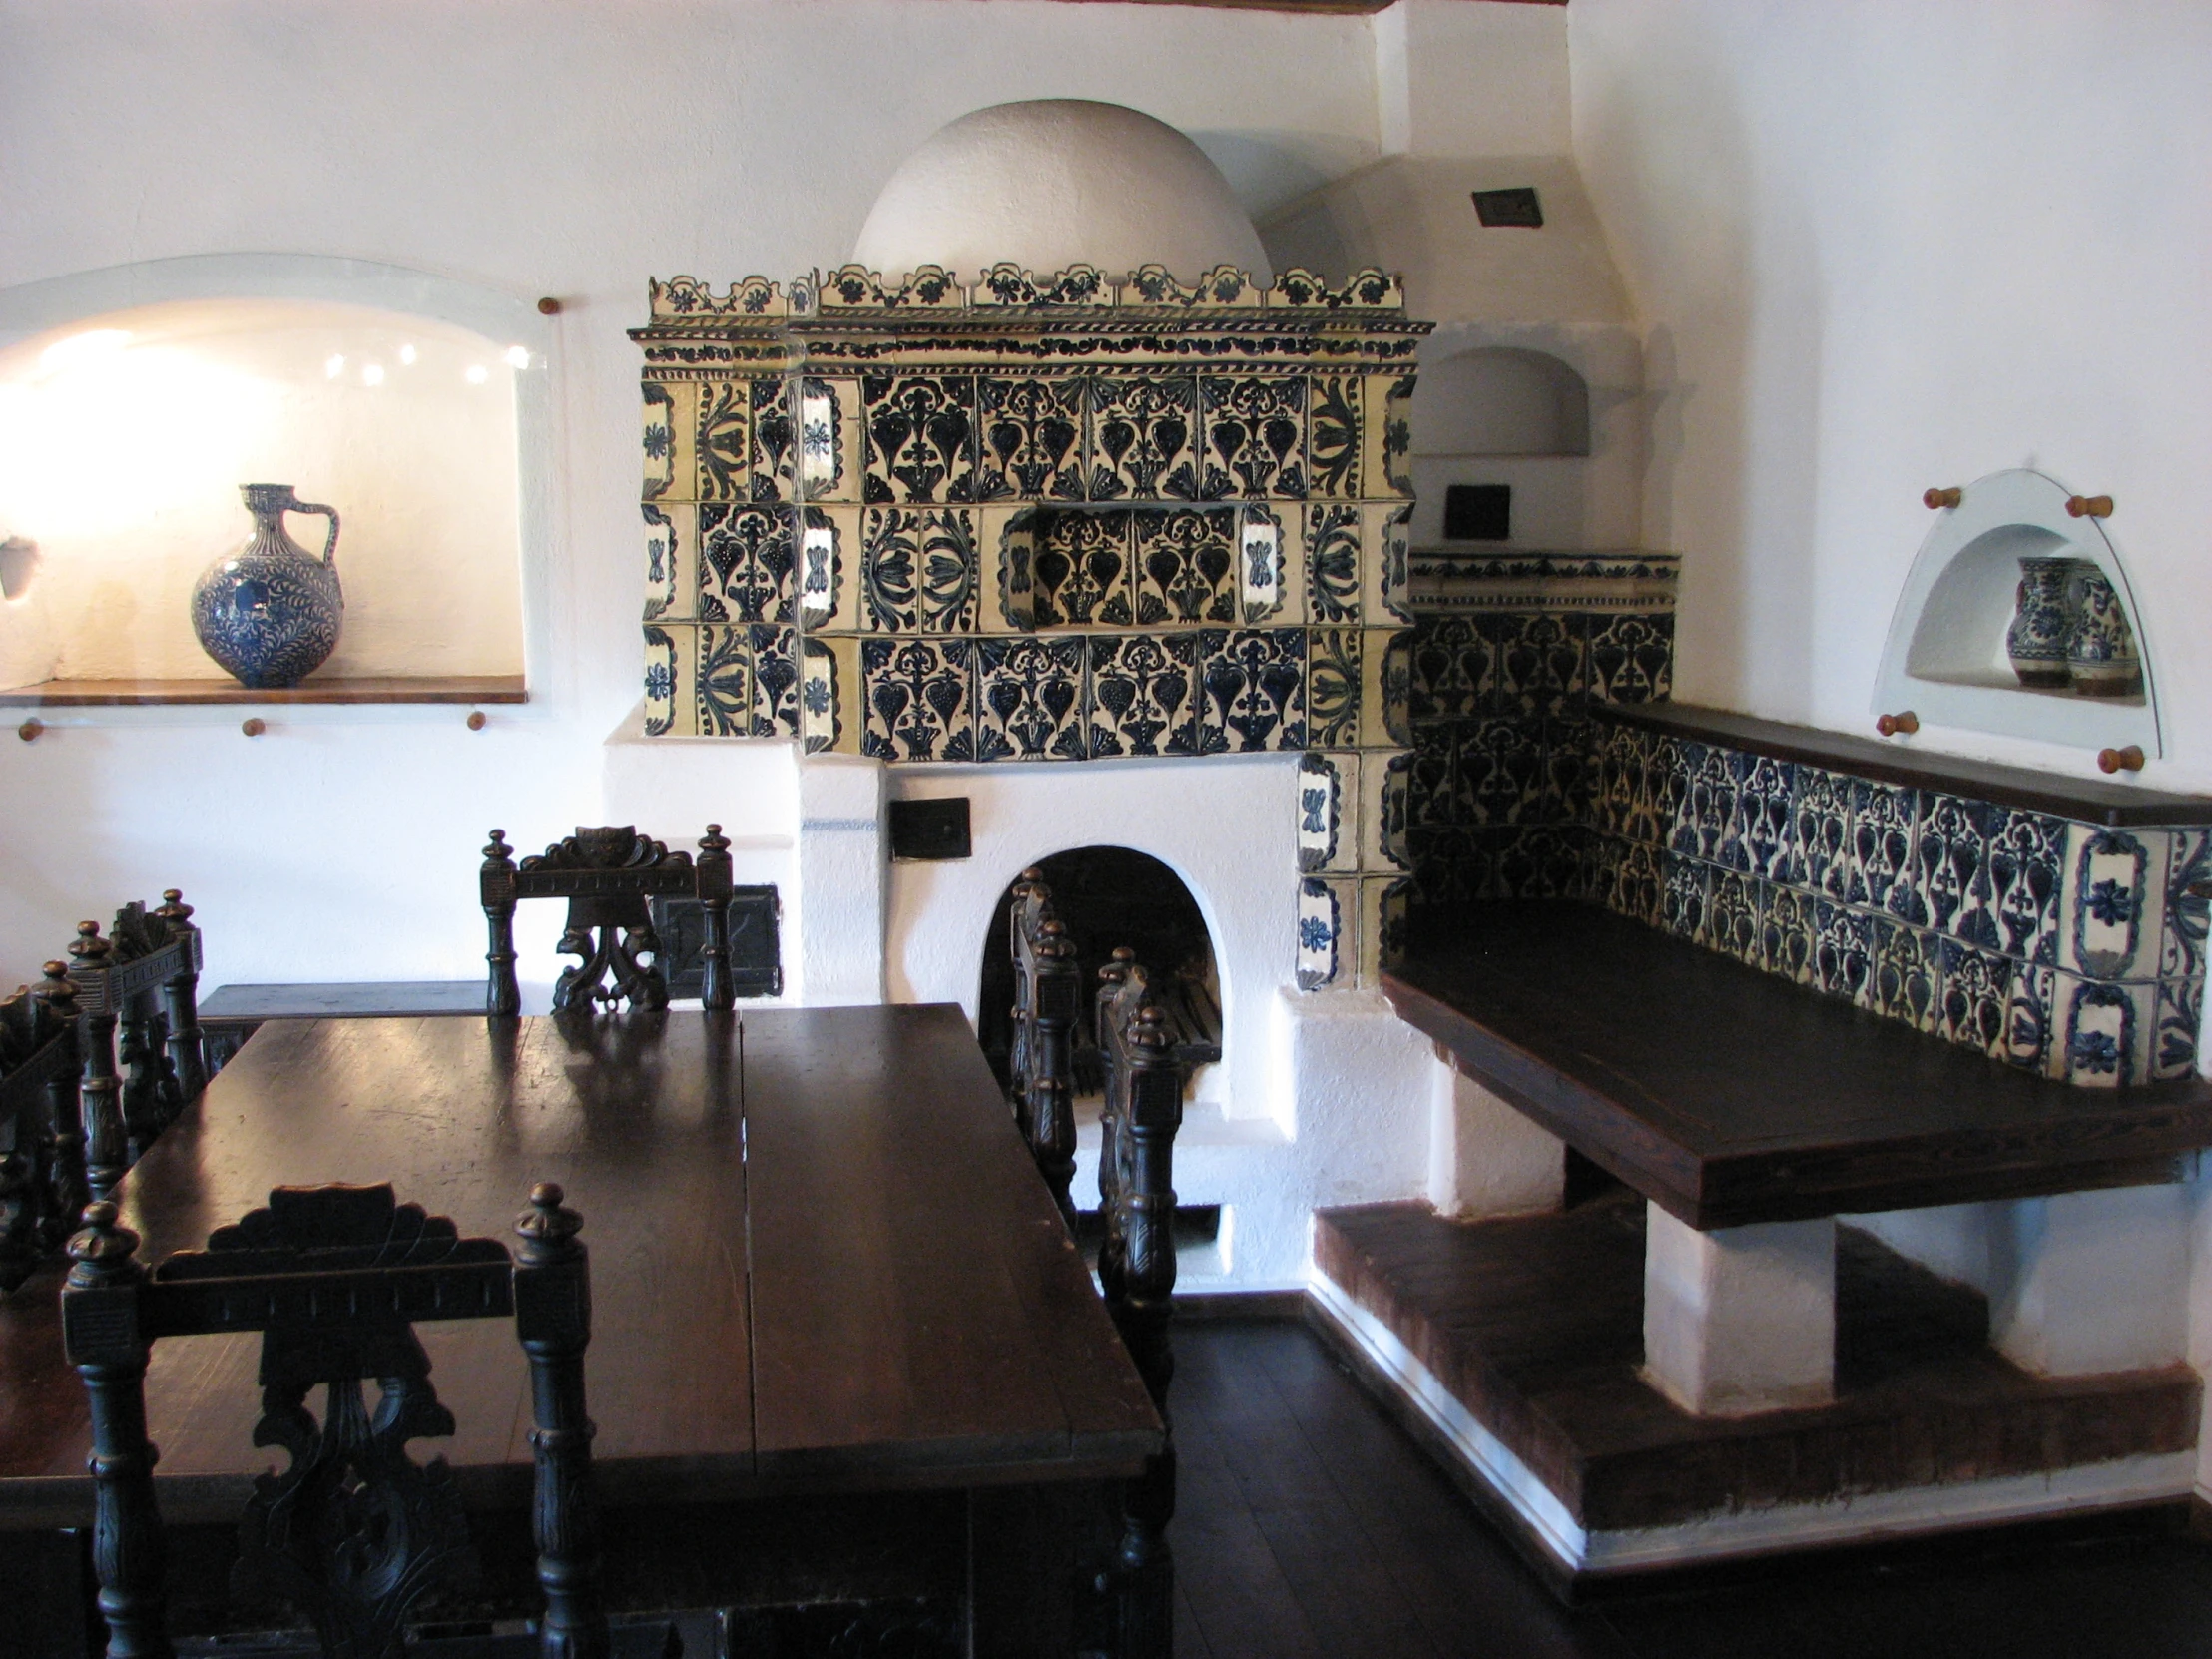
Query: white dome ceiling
[{"x": 1058, "y": 181}]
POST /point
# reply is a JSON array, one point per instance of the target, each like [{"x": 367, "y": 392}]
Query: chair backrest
[
  {"x": 42, "y": 1143},
  {"x": 1048, "y": 998},
  {"x": 137, "y": 1030},
  {"x": 354, "y": 1534},
  {"x": 607, "y": 874}
]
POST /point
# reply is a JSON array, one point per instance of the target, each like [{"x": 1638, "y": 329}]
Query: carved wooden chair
[
  {"x": 353, "y": 1534},
  {"x": 608, "y": 875},
  {"x": 137, "y": 1030},
  {"x": 42, "y": 1143},
  {"x": 1048, "y": 996},
  {"x": 1146, "y": 1074}
]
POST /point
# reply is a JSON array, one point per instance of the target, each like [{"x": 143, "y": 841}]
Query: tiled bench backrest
[{"x": 2059, "y": 945}]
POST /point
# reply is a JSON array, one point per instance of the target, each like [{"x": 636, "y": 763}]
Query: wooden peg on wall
[
  {"x": 29, "y": 731},
  {"x": 1903, "y": 723},
  {"x": 1943, "y": 498},
  {"x": 2129, "y": 759},
  {"x": 478, "y": 720},
  {"x": 253, "y": 726},
  {"x": 549, "y": 307},
  {"x": 2089, "y": 506}
]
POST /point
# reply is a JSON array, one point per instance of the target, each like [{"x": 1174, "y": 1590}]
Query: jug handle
[{"x": 331, "y": 547}]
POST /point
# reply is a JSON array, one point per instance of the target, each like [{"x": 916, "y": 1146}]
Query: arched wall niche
[
  {"x": 1502, "y": 400},
  {"x": 1945, "y": 658},
  {"x": 416, "y": 406}
]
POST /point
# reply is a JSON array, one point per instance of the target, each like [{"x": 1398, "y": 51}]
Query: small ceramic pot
[
  {"x": 2101, "y": 660},
  {"x": 269, "y": 613},
  {"x": 2042, "y": 624}
]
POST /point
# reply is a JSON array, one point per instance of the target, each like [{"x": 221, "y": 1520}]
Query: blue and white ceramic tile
[
  {"x": 2113, "y": 901},
  {"x": 1183, "y": 567},
  {"x": 1712, "y": 778},
  {"x": 820, "y": 718},
  {"x": 2102, "y": 1034},
  {"x": 1324, "y": 908},
  {"x": 1332, "y": 686},
  {"x": 746, "y": 563},
  {"x": 1883, "y": 819},
  {"x": 1731, "y": 918},
  {"x": 1333, "y": 561},
  {"x": 1017, "y": 570},
  {"x": 1539, "y": 860},
  {"x": 1602, "y": 878},
  {"x": 1384, "y": 906},
  {"x": 1322, "y": 797},
  {"x": 1951, "y": 846},
  {"x": 660, "y": 682},
  {"x": 776, "y": 671},
  {"x": 724, "y": 445},
  {"x": 1142, "y": 438},
  {"x": 2180, "y": 1017},
  {"x": 1685, "y": 896},
  {"x": 1976, "y": 987},
  {"x": 1384, "y": 786},
  {"x": 1031, "y": 438},
  {"x": 1144, "y": 694},
  {"x": 1451, "y": 669},
  {"x": 1764, "y": 825},
  {"x": 1332, "y": 428},
  {"x": 1630, "y": 657},
  {"x": 822, "y": 416},
  {"x": 920, "y": 437},
  {"x": 2013, "y": 905},
  {"x": 1253, "y": 438},
  {"x": 1431, "y": 789},
  {"x": 660, "y": 439},
  {"x": 821, "y": 567},
  {"x": 1787, "y": 928},
  {"x": 1905, "y": 981},
  {"x": 1030, "y": 699},
  {"x": 1262, "y": 569},
  {"x": 1081, "y": 569},
  {"x": 660, "y": 563},
  {"x": 1537, "y": 661},
  {"x": 722, "y": 681},
  {"x": 2027, "y": 1016},
  {"x": 1642, "y": 882},
  {"x": 775, "y": 457},
  {"x": 1820, "y": 847},
  {"x": 920, "y": 571},
  {"x": 1252, "y": 690},
  {"x": 919, "y": 699},
  {"x": 2188, "y": 904},
  {"x": 1843, "y": 949},
  {"x": 1497, "y": 773}
]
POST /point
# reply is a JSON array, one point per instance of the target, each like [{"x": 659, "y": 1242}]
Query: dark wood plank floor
[{"x": 1311, "y": 1525}]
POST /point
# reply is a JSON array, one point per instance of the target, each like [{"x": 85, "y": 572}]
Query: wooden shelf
[{"x": 121, "y": 694}]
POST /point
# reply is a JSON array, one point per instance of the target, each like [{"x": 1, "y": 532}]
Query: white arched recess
[
  {"x": 510, "y": 320},
  {"x": 1944, "y": 659}
]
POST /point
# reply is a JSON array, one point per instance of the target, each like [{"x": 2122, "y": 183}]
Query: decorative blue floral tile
[
  {"x": 1843, "y": 949},
  {"x": 745, "y": 563},
  {"x": 1332, "y": 440},
  {"x": 1602, "y": 872},
  {"x": 1763, "y": 827},
  {"x": 2029, "y": 1008},
  {"x": 1322, "y": 910},
  {"x": 1570, "y": 770},
  {"x": 920, "y": 437},
  {"x": 1820, "y": 846},
  {"x": 1332, "y": 562},
  {"x": 1621, "y": 776},
  {"x": 1030, "y": 699},
  {"x": 1713, "y": 777},
  {"x": 1433, "y": 785},
  {"x": 1640, "y": 888},
  {"x": 1263, "y": 577},
  {"x": 774, "y": 712},
  {"x": 1630, "y": 657},
  {"x": 1788, "y": 927},
  {"x": 1951, "y": 846},
  {"x": 1976, "y": 986},
  {"x": 1499, "y": 773},
  {"x": 1322, "y": 793},
  {"x": 821, "y": 453},
  {"x": 1142, "y": 438},
  {"x": 1539, "y": 860},
  {"x": 1332, "y": 682},
  {"x": 1184, "y": 567},
  {"x": 774, "y": 444},
  {"x": 2013, "y": 905},
  {"x": 920, "y": 571},
  {"x": 660, "y": 682},
  {"x": 919, "y": 698},
  {"x": 1253, "y": 438},
  {"x": 1537, "y": 661},
  {"x": 1685, "y": 896},
  {"x": 2180, "y": 1016},
  {"x": 724, "y": 447},
  {"x": 1144, "y": 694},
  {"x": 1666, "y": 785},
  {"x": 1080, "y": 570},
  {"x": 1904, "y": 983},
  {"x": 2102, "y": 1034},
  {"x": 821, "y": 567},
  {"x": 1732, "y": 919},
  {"x": 1252, "y": 686},
  {"x": 820, "y": 716},
  {"x": 722, "y": 681},
  {"x": 1031, "y": 433},
  {"x": 1882, "y": 821},
  {"x": 1386, "y": 802},
  {"x": 2188, "y": 904},
  {"x": 2114, "y": 901},
  {"x": 1451, "y": 669}
]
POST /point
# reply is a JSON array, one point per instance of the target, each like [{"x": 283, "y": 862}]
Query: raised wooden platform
[
  {"x": 1531, "y": 1327},
  {"x": 1731, "y": 1096}
]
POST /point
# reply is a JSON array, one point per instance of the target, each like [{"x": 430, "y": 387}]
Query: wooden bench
[{"x": 233, "y": 1013}]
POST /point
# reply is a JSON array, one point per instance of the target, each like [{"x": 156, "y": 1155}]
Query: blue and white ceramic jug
[{"x": 269, "y": 611}]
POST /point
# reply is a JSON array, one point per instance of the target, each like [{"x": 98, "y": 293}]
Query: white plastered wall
[{"x": 1880, "y": 248}]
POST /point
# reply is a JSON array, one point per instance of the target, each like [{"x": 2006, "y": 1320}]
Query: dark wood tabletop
[
  {"x": 820, "y": 1258},
  {"x": 1730, "y": 1096}
]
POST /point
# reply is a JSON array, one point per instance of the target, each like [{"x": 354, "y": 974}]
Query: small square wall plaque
[
  {"x": 1515, "y": 208},
  {"x": 930, "y": 828},
  {"x": 1478, "y": 512}
]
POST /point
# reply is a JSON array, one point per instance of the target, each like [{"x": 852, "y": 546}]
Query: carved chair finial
[
  {"x": 548, "y": 1225},
  {"x": 57, "y": 992},
  {"x": 174, "y": 910},
  {"x": 498, "y": 852},
  {"x": 90, "y": 949},
  {"x": 1150, "y": 1029},
  {"x": 101, "y": 1251},
  {"x": 714, "y": 840}
]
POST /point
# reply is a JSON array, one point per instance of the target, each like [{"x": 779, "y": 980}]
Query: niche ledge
[
  {"x": 119, "y": 693},
  {"x": 1945, "y": 658}
]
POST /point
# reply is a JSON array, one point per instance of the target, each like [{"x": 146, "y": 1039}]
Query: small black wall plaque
[
  {"x": 1513, "y": 208},
  {"x": 930, "y": 828},
  {"x": 755, "y": 955},
  {"x": 1478, "y": 512}
]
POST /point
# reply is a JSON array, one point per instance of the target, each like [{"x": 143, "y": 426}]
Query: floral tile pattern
[
  {"x": 1029, "y": 700},
  {"x": 1144, "y": 694}
]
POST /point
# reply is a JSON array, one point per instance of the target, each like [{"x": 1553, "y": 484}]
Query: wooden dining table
[{"x": 842, "y": 1346}]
